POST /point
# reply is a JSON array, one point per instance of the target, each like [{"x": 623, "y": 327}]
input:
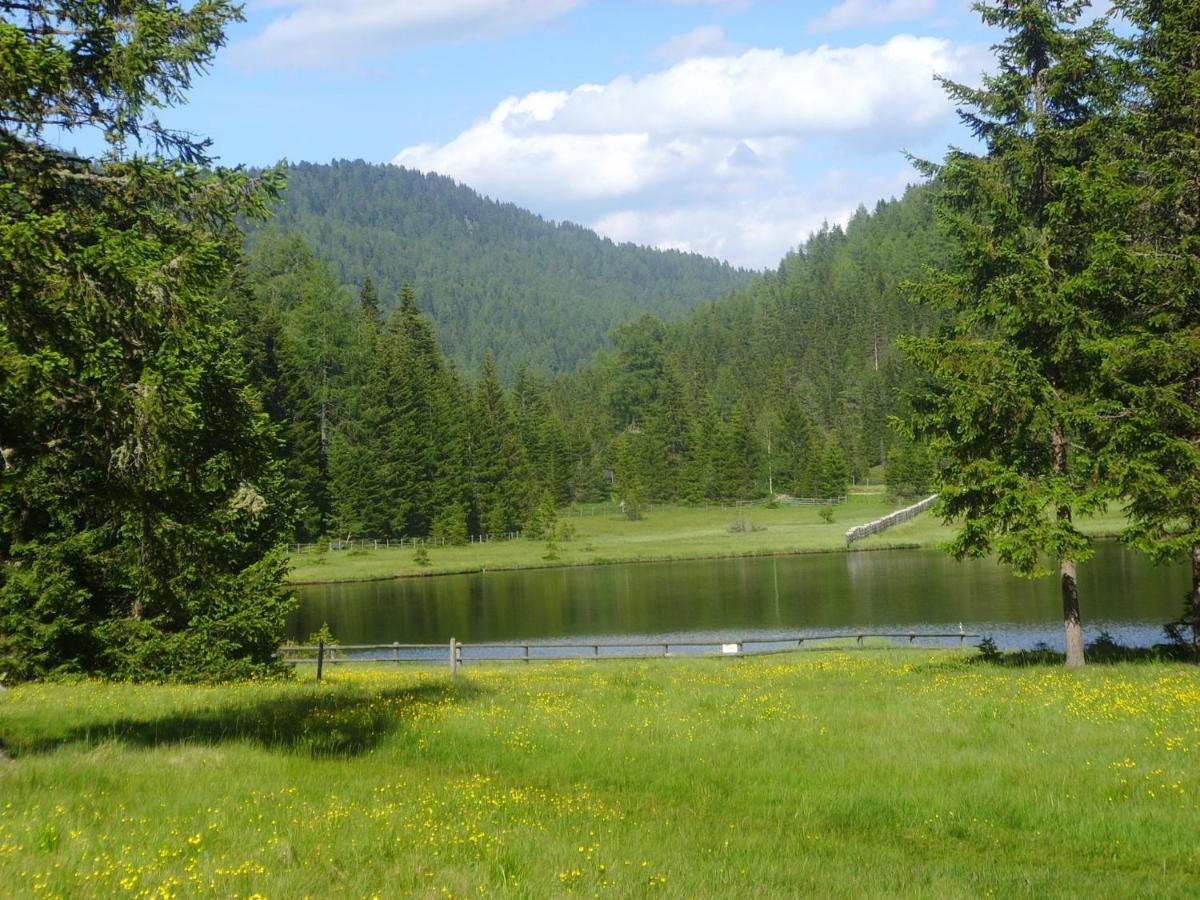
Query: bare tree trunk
[
  {"x": 1072, "y": 624},
  {"x": 1195, "y": 603}
]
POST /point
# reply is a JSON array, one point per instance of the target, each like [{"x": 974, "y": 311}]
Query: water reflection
[{"x": 921, "y": 589}]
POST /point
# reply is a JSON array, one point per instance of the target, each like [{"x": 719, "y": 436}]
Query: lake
[{"x": 1120, "y": 592}]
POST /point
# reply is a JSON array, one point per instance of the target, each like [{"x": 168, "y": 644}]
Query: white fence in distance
[{"x": 858, "y": 532}]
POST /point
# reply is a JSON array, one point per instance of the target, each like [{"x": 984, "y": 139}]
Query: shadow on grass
[
  {"x": 339, "y": 722},
  {"x": 1102, "y": 651}
]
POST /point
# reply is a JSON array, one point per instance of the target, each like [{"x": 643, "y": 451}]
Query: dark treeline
[
  {"x": 381, "y": 434},
  {"x": 495, "y": 278},
  {"x": 786, "y": 386}
]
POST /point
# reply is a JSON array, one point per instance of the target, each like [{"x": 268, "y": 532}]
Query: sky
[{"x": 732, "y": 128}]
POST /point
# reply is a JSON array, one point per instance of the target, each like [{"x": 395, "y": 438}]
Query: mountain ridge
[{"x": 496, "y": 278}]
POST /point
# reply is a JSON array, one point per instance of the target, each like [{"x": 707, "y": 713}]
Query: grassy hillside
[{"x": 870, "y": 773}]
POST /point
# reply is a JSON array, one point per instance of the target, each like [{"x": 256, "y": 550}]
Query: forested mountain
[
  {"x": 380, "y": 434},
  {"x": 494, "y": 278},
  {"x": 784, "y": 386},
  {"x": 772, "y": 386}
]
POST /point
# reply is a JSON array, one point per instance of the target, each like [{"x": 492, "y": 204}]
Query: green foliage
[
  {"x": 1010, "y": 406},
  {"x": 631, "y": 503},
  {"x": 321, "y": 635},
  {"x": 543, "y": 521},
  {"x": 141, "y": 505},
  {"x": 496, "y": 461},
  {"x": 499, "y": 280},
  {"x": 1152, "y": 368},
  {"x": 835, "y": 473},
  {"x": 421, "y": 557},
  {"x": 988, "y": 651},
  {"x": 1011, "y": 376},
  {"x": 826, "y": 514},
  {"x": 450, "y": 525},
  {"x": 908, "y": 469},
  {"x": 746, "y": 394}
]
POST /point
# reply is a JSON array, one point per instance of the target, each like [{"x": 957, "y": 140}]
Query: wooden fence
[
  {"x": 811, "y": 501},
  {"x": 385, "y": 543},
  {"x": 858, "y": 532},
  {"x": 456, "y": 654}
]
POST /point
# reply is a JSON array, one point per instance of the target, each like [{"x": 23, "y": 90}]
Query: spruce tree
[
  {"x": 835, "y": 472},
  {"x": 496, "y": 460},
  {"x": 1153, "y": 369},
  {"x": 1012, "y": 377},
  {"x": 142, "y": 512},
  {"x": 368, "y": 301}
]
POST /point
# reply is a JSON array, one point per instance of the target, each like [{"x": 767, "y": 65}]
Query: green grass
[
  {"x": 665, "y": 533},
  {"x": 927, "y": 530},
  {"x": 879, "y": 773}
]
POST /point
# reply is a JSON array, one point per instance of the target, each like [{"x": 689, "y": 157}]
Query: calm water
[{"x": 1120, "y": 592}]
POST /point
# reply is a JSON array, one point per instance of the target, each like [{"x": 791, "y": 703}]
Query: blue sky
[{"x": 728, "y": 127}]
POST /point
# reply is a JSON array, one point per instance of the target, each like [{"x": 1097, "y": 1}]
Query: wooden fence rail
[
  {"x": 858, "y": 532},
  {"x": 457, "y": 653},
  {"x": 387, "y": 543}
]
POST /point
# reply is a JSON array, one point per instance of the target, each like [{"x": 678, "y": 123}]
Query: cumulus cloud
[
  {"x": 319, "y": 34},
  {"x": 852, "y": 13},
  {"x": 708, "y": 40},
  {"x": 707, "y": 140},
  {"x": 753, "y": 230}
]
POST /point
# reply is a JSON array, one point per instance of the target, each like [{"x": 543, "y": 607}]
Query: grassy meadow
[
  {"x": 664, "y": 533},
  {"x": 876, "y": 773}
]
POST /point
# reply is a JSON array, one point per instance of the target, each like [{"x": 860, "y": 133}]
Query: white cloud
[
  {"x": 756, "y": 230},
  {"x": 321, "y": 34},
  {"x": 706, "y": 147},
  {"x": 852, "y": 13},
  {"x": 708, "y": 40}
]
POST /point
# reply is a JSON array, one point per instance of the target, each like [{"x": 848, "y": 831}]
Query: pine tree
[
  {"x": 1013, "y": 376},
  {"x": 835, "y": 472},
  {"x": 368, "y": 301},
  {"x": 141, "y": 509},
  {"x": 496, "y": 460},
  {"x": 1153, "y": 369}
]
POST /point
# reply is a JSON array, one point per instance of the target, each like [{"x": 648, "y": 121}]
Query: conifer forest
[{"x": 200, "y": 364}]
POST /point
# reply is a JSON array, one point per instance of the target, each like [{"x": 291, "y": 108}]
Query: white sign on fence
[{"x": 729, "y": 648}]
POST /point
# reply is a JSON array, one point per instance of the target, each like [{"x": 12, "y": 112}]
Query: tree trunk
[
  {"x": 1072, "y": 624},
  {"x": 1195, "y": 603}
]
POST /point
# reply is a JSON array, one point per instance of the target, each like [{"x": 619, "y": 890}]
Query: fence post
[
  {"x": 396, "y": 650},
  {"x": 453, "y": 659},
  {"x": 320, "y": 658}
]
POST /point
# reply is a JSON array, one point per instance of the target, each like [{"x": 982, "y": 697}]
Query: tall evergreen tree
[
  {"x": 141, "y": 509},
  {"x": 1013, "y": 376},
  {"x": 1154, "y": 367},
  {"x": 368, "y": 300},
  {"x": 496, "y": 460}
]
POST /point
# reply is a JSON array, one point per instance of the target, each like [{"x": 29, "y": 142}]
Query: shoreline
[
  {"x": 582, "y": 564},
  {"x": 751, "y": 554}
]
